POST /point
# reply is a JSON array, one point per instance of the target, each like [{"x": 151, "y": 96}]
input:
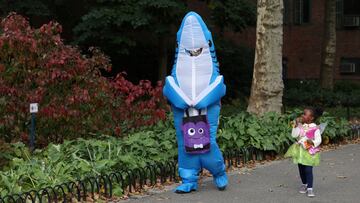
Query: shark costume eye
[
  {"x": 195, "y": 52},
  {"x": 191, "y": 131},
  {"x": 210, "y": 43},
  {"x": 201, "y": 131}
]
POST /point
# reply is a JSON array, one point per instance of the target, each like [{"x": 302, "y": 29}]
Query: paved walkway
[{"x": 337, "y": 179}]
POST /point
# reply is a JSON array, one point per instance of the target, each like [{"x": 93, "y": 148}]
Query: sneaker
[
  {"x": 303, "y": 188},
  {"x": 310, "y": 192}
]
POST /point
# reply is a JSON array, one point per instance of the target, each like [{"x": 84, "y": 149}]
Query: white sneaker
[
  {"x": 310, "y": 192},
  {"x": 303, "y": 188}
]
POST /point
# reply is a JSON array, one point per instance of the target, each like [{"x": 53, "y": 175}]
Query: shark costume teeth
[{"x": 195, "y": 87}]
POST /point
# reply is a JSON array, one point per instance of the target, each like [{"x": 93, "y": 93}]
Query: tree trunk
[
  {"x": 267, "y": 84},
  {"x": 328, "y": 53},
  {"x": 163, "y": 54}
]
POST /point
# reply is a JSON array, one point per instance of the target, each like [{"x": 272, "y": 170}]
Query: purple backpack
[{"x": 196, "y": 133}]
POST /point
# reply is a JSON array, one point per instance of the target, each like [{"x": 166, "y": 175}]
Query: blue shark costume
[{"x": 195, "y": 84}]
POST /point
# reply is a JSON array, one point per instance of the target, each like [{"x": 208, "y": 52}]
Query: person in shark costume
[{"x": 195, "y": 87}]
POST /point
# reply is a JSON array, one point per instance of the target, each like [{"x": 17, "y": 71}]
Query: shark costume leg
[
  {"x": 189, "y": 165},
  {"x": 213, "y": 161}
]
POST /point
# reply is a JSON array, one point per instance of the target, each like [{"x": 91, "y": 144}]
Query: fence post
[{"x": 33, "y": 111}]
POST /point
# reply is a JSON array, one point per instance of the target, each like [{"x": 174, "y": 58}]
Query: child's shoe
[
  {"x": 310, "y": 192},
  {"x": 303, "y": 188}
]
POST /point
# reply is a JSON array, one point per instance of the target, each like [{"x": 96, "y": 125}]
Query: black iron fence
[{"x": 131, "y": 180}]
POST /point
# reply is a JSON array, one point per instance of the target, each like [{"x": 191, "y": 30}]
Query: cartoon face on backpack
[{"x": 196, "y": 132}]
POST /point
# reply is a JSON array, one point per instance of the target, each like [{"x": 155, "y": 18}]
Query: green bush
[
  {"x": 76, "y": 159},
  {"x": 308, "y": 92},
  {"x": 233, "y": 107},
  {"x": 269, "y": 132},
  {"x": 337, "y": 128},
  {"x": 236, "y": 64}
]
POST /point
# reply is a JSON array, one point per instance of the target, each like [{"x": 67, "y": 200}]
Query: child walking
[{"x": 305, "y": 152}]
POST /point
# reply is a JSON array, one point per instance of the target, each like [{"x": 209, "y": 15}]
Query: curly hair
[{"x": 316, "y": 112}]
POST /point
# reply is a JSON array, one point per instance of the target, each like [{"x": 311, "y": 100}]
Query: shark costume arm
[
  {"x": 211, "y": 94},
  {"x": 175, "y": 95}
]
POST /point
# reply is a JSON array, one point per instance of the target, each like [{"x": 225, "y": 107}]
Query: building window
[
  {"x": 348, "y": 14},
  {"x": 350, "y": 66},
  {"x": 302, "y": 11}
]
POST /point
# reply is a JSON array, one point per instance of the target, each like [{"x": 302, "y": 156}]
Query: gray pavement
[{"x": 337, "y": 179}]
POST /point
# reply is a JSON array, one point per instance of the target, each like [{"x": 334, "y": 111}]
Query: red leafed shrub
[{"x": 74, "y": 99}]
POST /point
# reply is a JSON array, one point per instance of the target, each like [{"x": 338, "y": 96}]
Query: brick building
[{"x": 303, "y": 34}]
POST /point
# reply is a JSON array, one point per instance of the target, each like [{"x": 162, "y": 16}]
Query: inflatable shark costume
[{"x": 194, "y": 90}]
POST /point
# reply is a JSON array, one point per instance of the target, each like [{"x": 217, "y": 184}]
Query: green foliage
[
  {"x": 338, "y": 111},
  {"x": 233, "y": 107},
  {"x": 26, "y": 7},
  {"x": 130, "y": 31},
  {"x": 78, "y": 158},
  {"x": 336, "y": 126},
  {"x": 308, "y": 92},
  {"x": 233, "y": 14},
  {"x": 120, "y": 25},
  {"x": 236, "y": 61},
  {"x": 236, "y": 64},
  {"x": 269, "y": 132}
]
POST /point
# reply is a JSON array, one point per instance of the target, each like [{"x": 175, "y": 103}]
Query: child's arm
[
  {"x": 295, "y": 132},
  {"x": 317, "y": 138},
  {"x": 296, "y": 129}
]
